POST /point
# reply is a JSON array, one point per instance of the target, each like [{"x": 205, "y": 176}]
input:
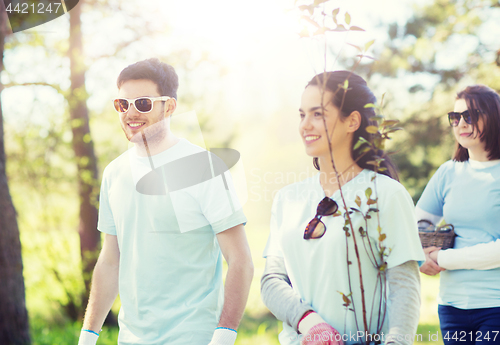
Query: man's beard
[{"x": 151, "y": 135}]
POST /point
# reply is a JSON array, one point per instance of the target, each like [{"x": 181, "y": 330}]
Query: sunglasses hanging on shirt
[{"x": 316, "y": 228}]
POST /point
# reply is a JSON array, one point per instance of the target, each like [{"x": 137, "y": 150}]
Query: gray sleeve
[
  {"x": 404, "y": 302},
  {"x": 278, "y": 295}
]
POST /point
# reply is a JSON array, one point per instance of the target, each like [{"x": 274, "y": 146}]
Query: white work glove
[
  {"x": 87, "y": 338},
  {"x": 223, "y": 336}
]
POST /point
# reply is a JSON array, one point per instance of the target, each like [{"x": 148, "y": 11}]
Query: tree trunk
[
  {"x": 14, "y": 326},
  {"x": 84, "y": 154}
]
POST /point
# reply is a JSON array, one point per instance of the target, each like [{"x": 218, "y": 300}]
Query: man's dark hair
[{"x": 160, "y": 73}]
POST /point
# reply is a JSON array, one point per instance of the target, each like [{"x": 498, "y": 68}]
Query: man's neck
[{"x": 153, "y": 147}]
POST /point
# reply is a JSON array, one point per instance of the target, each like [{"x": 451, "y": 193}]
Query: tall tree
[
  {"x": 84, "y": 151},
  {"x": 14, "y": 327},
  {"x": 87, "y": 13}
]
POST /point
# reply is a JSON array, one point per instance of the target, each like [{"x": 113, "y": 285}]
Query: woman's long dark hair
[
  {"x": 354, "y": 99},
  {"x": 485, "y": 100}
]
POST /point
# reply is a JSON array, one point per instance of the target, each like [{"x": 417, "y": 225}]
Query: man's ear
[
  {"x": 169, "y": 107},
  {"x": 354, "y": 121}
]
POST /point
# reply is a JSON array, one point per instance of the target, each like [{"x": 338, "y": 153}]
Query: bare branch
[{"x": 54, "y": 86}]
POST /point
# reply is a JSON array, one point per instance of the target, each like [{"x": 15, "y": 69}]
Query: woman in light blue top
[{"x": 466, "y": 192}]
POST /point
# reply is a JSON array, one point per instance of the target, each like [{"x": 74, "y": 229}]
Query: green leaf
[
  {"x": 358, "y": 48},
  {"x": 335, "y": 12},
  {"x": 378, "y": 118},
  {"x": 382, "y": 100},
  {"x": 345, "y": 298},
  {"x": 369, "y": 105},
  {"x": 394, "y": 129},
  {"x": 362, "y": 231},
  {"x": 389, "y": 123},
  {"x": 357, "y": 201},
  {"x": 320, "y": 31},
  {"x": 346, "y": 84},
  {"x": 365, "y": 149},
  {"x": 363, "y": 140},
  {"x": 347, "y": 18},
  {"x": 368, "y": 192},
  {"x": 369, "y": 44},
  {"x": 372, "y": 129},
  {"x": 339, "y": 28},
  {"x": 366, "y": 56},
  {"x": 356, "y": 28},
  {"x": 310, "y": 21},
  {"x": 359, "y": 143}
]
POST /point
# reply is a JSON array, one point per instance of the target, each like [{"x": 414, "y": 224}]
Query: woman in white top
[
  {"x": 314, "y": 257},
  {"x": 466, "y": 192}
]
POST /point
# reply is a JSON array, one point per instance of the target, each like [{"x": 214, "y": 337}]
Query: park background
[{"x": 242, "y": 68}]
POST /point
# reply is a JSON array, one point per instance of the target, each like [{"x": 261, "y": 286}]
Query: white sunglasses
[{"x": 142, "y": 104}]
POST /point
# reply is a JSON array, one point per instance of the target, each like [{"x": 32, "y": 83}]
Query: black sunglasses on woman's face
[{"x": 454, "y": 117}]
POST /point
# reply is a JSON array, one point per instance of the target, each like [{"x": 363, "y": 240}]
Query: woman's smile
[{"x": 309, "y": 139}]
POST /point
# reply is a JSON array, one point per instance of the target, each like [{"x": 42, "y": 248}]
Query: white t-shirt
[
  {"x": 170, "y": 278},
  {"x": 318, "y": 267}
]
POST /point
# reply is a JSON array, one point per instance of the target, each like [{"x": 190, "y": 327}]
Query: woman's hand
[
  {"x": 315, "y": 331},
  {"x": 431, "y": 267},
  {"x": 322, "y": 334}
]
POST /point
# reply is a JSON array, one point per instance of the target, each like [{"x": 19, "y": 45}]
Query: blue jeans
[{"x": 469, "y": 326}]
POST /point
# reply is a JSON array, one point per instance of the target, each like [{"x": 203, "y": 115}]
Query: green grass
[{"x": 43, "y": 333}]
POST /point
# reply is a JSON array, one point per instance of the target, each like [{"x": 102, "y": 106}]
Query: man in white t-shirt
[{"x": 168, "y": 210}]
